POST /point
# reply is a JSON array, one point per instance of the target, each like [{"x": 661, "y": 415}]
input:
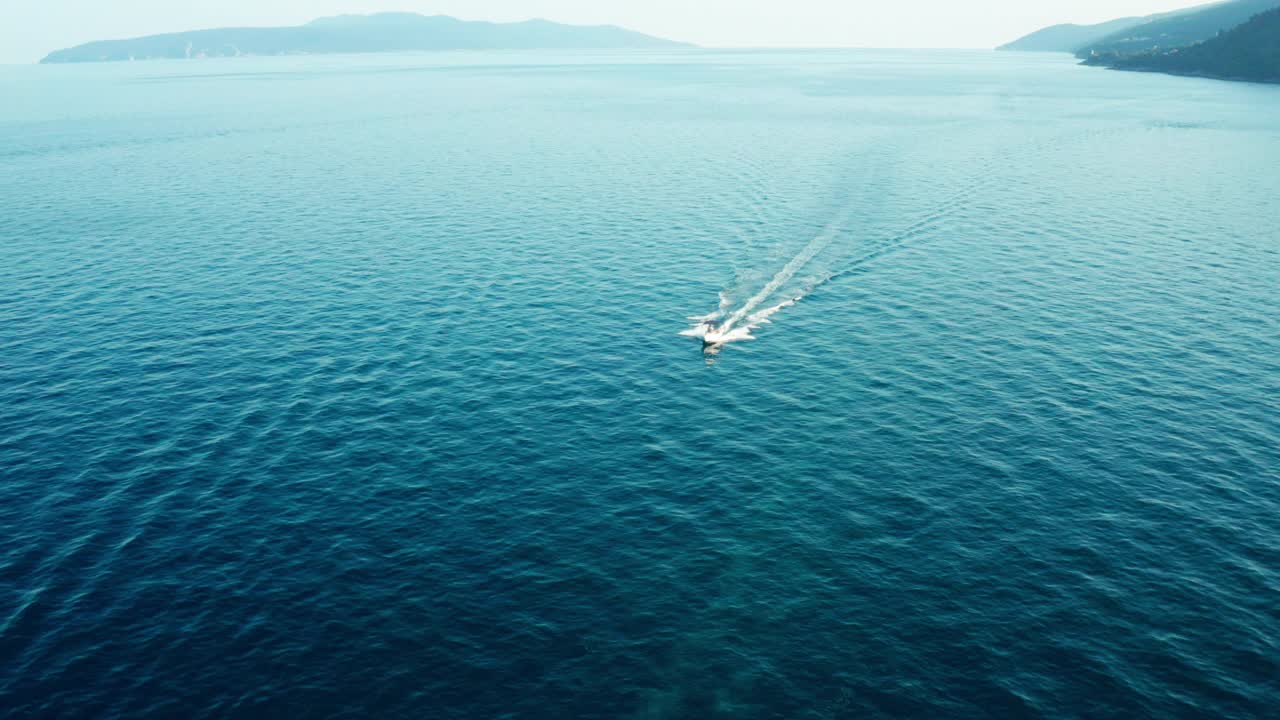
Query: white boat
[{"x": 713, "y": 333}]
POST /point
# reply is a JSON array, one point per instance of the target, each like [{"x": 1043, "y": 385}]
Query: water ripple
[{"x": 368, "y": 401}]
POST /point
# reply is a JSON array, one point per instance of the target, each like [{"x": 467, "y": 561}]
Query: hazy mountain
[
  {"x": 1248, "y": 52},
  {"x": 1070, "y": 38},
  {"x": 361, "y": 33},
  {"x": 1179, "y": 30},
  {"x": 1067, "y": 38}
]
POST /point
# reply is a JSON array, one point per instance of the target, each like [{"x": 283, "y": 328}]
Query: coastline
[{"x": 1181, "y": 73}]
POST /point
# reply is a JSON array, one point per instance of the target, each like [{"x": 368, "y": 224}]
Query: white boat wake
[
  {"x": 728, "y": 324},
  {"x": 732, "y": 322}
]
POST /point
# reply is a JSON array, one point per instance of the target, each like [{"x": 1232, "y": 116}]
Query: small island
[{"x": 383, "y": 32}]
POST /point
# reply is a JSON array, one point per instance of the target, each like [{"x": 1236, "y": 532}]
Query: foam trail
[
  {"x": 901, "y": 239},
  {"x": 738, "y": 324},
  {"x": 815, "y": 246}
]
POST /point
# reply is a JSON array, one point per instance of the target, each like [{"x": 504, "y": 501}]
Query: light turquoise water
[{"x": 354, "y": 386}]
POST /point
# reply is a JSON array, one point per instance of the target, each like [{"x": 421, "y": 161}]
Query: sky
[{"x": 29, "y": 29}]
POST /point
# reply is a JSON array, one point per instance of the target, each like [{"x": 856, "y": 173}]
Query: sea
[{"x": 376, "y": 387}]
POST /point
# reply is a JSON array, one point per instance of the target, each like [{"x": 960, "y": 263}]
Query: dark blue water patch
[{"x": 375, "y": 405}]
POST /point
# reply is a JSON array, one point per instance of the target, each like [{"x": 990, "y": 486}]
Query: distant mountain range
[
  {"x": 360, "y": 34},
  {"x": 1173, "y": 42},
  {"x": 1066, "y": 38},
  {"x": 1070, "y": 38}
]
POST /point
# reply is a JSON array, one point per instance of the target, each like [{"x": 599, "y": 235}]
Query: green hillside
[
  {"x": 1173, "y": 31},
  {"x": 1248, "y": 52}
]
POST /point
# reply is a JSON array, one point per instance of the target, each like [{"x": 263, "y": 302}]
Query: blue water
[{"x": 354, "y": 387}]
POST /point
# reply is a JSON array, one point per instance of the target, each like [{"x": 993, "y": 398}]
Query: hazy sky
[{"x": 31, "y": 28}]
